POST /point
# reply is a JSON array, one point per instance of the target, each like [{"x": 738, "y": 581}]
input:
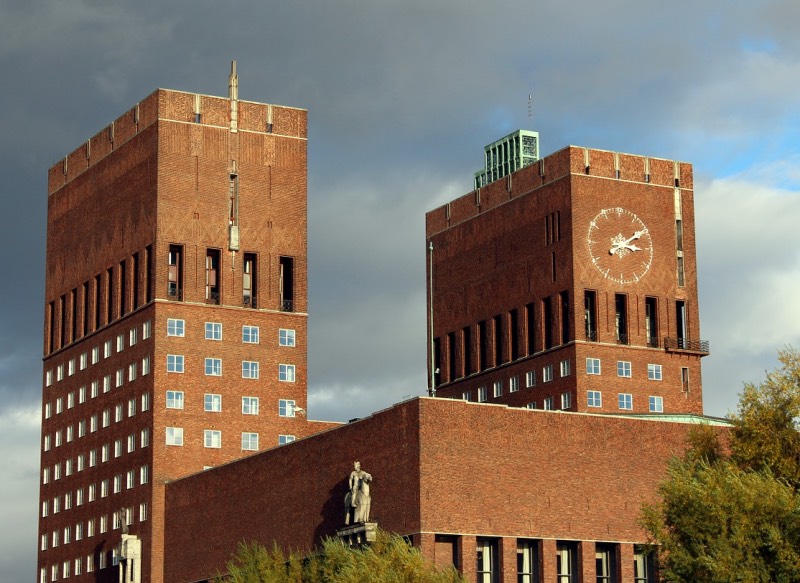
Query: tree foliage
[
  {"x": 735, "y": 516},
  {"x": 390, "y": 559}
]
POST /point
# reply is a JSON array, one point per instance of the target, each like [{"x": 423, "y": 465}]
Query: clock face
[{"x": 620, "y": 245}]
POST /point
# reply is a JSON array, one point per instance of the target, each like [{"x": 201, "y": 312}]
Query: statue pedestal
[{"x": 358, "y": 534}]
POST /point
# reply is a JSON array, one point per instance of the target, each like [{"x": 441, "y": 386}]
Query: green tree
[
  {"x": 390, "y": 559},
  {"x": 736, "y": 517}
]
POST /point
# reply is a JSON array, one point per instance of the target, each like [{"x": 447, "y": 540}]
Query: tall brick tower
[
  {"x": 569, "y": 284},
  {"x": 175, "y": 317}
]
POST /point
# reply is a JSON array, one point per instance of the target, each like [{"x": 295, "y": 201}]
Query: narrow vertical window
[
  {"x": 249, "y": 295},
  {"x": 175, "y": 277},
  {"x": 451, "y": 356},
  {"x": 651, "y": 321},
  {"x": 212, "y": 276},
  {"x": 110, "y": 295},
  {"x": 437, "y": 361},
  {"x": 681, "y": 324},
  {"x": 123, "y": 288},
  {"x": 590, "y": 314},
  {"x": 73, "y": 304},
  {"x": 482, "y": 346},
  {"x": 530, "y": 327},
  {"x": 681, "y": 273},
  {"x": 467, "y": 351},
  {"x": 621, "y": 318},
  {"x": 564, "y": 297},
  {"x": 605, "y": 555},
  {"x": 98, "y": 304},
  {"x": 547, "y": 316},
  {"x": 286, "y": 284},
  {"x": 514, "y": 334},
  {"x": 135, "y": 282},
  {"x": 498, "y": 340},
  {"x": 84, "y": 328}
]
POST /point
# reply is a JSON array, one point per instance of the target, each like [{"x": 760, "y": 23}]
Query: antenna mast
[{"x": 530, "y": 111}]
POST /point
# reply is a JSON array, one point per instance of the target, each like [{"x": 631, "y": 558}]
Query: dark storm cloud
[{"x": 402, "y": 96}]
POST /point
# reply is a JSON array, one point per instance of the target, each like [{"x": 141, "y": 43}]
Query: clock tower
[{"x": 569, "y": 284}]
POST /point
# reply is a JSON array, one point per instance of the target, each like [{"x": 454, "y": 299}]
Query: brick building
[{"x": 175, "y": 359}]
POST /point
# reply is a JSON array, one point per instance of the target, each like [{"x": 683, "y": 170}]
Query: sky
[{"x": 402, "y": 96}]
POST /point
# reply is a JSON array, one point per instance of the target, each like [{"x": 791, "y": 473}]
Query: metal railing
[
  {"x": 175, "y": 294},
  {"x": 686, "y": 345},
  {"x": 287, "y": 306}
]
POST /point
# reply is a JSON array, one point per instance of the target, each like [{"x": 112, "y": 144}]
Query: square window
[
  {"x": 656, "y": 404},
  {"x": 213, "y": 367},
  {"x": 249, "y": 369},
  {"x": 286, "y": 373},
  {"x": 547, "y": 373},
  {"x": 175, "y": 327},
  {"x": 249, "y": 441},
  {"x": 249, "y": 405},
  {"x": 250, "y": 334},
  {"x": 175, "y": 363},
  {"x": 284, "y": 439},
  {"x": 625, "y": 401},
  {"x": 623, "y": 369},
  {"x": 212, "y": 403},
  {"x": 174, "y": 399},
  {"x": 595, "y": 399},
  {"x": 592, "y": 366},
  {"x": 565, "y": 368},
  {"x": 212, "y": 438},
  {"x": 654, "y": 372},
  {"x": 286, "y": 408},
  {"x": 174, "y": 435},
  {"x": 286, "y": 337},
  {"x": 513, "y": 384},
  {"x": 498, "y": 389},
  {"x": 566, "y": 401},
  {"x": 213, "y": 331}
]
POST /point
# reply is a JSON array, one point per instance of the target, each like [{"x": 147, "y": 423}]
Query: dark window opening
[
  {"x": 643, "y": 565},
  {"x": 135, "y": 282},
  {"x": 123, "y": 288},
  {"x": 564, "y": 317},
  {"x": 446, "y": 550},
  {"x": 467, "y": 332},
  {"x": 679, "y": 234},
  {"x": 651, "y": 321},
  {"x": 514, "y": 324},
  {"x": 527, "y": 561},
  {"x": 487, "y": 560},
  {"x": 110, "y": 295},
  {"x": 73, "y": 308},
  {"x": 553, "y": 264},
  {"x": 286, "y": 283},
  {"x": 482, "y": 346},
  {"x": 685, "y": 379},
  {"x": 451, "y": 356},
  {"x": 621, "y": 318},
  {"x": 249, "y": 295},
  {"x": 605, "y": 563},
  {"x": 212, "y": 276},
  {"x": 85, "y": 314},
  {"x": 680, "y": 320},
  {"x": 51, "y": 329},
  {"x": 590, "y": 314},
  {"x": 547, "y": 316},
  {"x": 566, "y": 562},
  {"x": 62, "y": 313},
  {"x": 530, "y": 327},
  {"x": 498, "y": 340},
  {"x": 681, "y": 273},
  {"x": 148, "y": 273},
  {"x": 175, "y": 277},
  {"x": 98, "y": 304},
  {"x": 437, "y": 362}
]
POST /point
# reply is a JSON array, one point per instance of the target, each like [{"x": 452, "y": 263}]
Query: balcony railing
[
  {"x": 250, "y": 302},
  {"x": 591, "y": 335},
  {"x": 286, "y": 306},
  {"x": 653, "y": 342},
  {"x": 686, "y": 345},
  {"x": 175, "y": 294}
]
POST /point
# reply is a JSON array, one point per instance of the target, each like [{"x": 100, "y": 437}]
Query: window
[
  {"x": 595, "y": 399},
  {"x": 175, "y": 327},
  {"x": 482, "y": 397},
  {"x": 625, "y": 401},
  {"x": 92, "y": 496},
  {"x": 107, "y": 349},
  {"x": 143, "y": 474},
  {"x": 592, "y": 366},
  {"x": 92, "y": 458},
  {"x": 513, "y": 384},
  {"x": 48, "y": 411},
  {"x": 59, "y": 438},
  {"x": 120, "y": 377},
  {"x": 284, "y": 439},
  {"x": 249, "y": 441},
  {"x": 250, "y": 405},
  {"x": 565, "y": 368},
  {"x": 146, "y": 330},
  {"x": 623, "y": 369},
  {"x": 566, "y": 401},
  {"x": 48, "y": 378},
  {"x": 527, "y": 561},
  {"x": 530, "y": 378},
  {"x": 286, "y": 408},
  {"x": 656, "y": 404},
  {"x": 174, "y": 435},
  {"x": 105, "y": 452},
  {"x": 643, "y": 567},
  {"x": 60, "y": 372},
  {"x": 175, "y": 363},
  {"x": 654, "y": 372},
  {"x": 107, "y": 384},
  {"x": 212, "y": 403},
  {"x": 133, "y": 336},
  {"x": 286, "y": 284},
  {"x": 117, "y": 448},
  {"x": 487, "y": 560},
  {"x": 71, "y": 367},
  {"x": 286, "y": 337},
  {"x": 212, "y": 279},
  {"x": 605, "y": 563},
  {"x": 79, "y": 497},
  {"x": 130, "y": 479},
  {"x": 175, "y": 272},
  {"x": 466, "y": 395},
  {"x": 249, "y": 369},
  {"x": 498, "y": 389},
  {"x": 120, "y": 342},
  {"x": 174, "y": 399},
  {"x": 249, "y": 280},
  {"x": 213, "y": 331},
  {"x": 250, "y": 334},
  {"x": 286, "y": 373},
  {"x": 213, "y": 367},
  {"x": 82, "y": 428},
  {"x": 146, "y": 366},
  {"x": 144, "y": 438},
  {"x": 95, "y": 355},
  {"x": 142, "y": 512},
  {"x": 118, "y": 413},
  {"x": 132, "y": 372},
  {"x": 95, "y": 389},
  {"x": 59, "y": 405},
  {"x": 621, "y": 318},
  {"x": 547, "y": 373},
  {"x": 131, "y": 442},
  {"x": 46, "y": 443},
  {"x": 81, "y": 395},
  {"x": 103, "y": 489},
  {"x": 46, "y": 476},
  {"x": 548, "y": 404},
  {"x": 131, "y": 407},
  {"x": 212, "y": 438},
  {"x": 566, "y": 563},
  {"x": 106, "y": 417},
  {"x": 145, "y": 401},
  {"x": 84, "y": 361}
]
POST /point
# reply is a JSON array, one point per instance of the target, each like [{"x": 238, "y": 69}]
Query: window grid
[{"x": 623, "y": 369}]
